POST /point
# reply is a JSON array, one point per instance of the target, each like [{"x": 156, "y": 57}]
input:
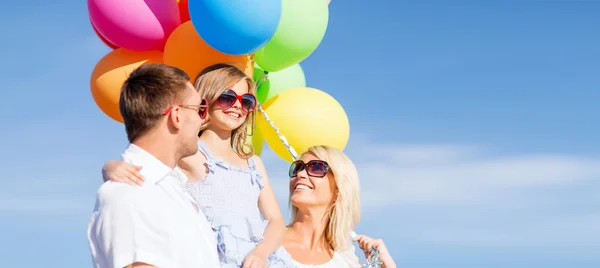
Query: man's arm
[{"x": 129, "y": 230}]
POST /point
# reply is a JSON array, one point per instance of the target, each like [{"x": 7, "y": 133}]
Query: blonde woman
[
  {"x": 325, "y": 202},
  {"x": 227, "y": 180}
]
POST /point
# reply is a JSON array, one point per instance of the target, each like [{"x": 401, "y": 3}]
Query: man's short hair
[{"x": 147, "y": 93}]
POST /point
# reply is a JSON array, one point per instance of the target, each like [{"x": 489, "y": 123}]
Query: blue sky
[{"x": 473, "y": 125}]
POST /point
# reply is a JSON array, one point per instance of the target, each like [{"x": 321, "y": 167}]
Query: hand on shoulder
[{"x": 123, "y": 172}]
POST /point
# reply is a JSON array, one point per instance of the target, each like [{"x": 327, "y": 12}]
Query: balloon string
[{"x": 262, "y": 111}]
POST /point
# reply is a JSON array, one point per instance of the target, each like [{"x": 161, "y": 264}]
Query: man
[{"x": 157, "y": 224}]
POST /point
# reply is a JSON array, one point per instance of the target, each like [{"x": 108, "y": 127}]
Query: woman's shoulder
[{"x": 347, "y": 257}]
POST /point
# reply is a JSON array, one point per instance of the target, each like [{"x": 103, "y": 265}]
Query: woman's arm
[
  {"x": 269, "y": 208},
  {"x": 366, "y": 244},
  {"x": 122, "y": 172}
]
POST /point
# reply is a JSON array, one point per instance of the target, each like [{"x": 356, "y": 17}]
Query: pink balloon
[{"x": 135, "y": 24}]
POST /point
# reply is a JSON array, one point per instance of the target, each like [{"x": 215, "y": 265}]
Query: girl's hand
[
  {"x": 122, "y": 172},
  {"x": 255, "y": 260},
  {"x": 366, "y": 243}
]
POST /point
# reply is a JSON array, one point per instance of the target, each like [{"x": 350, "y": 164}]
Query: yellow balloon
[
  {"x": 306, "y": 117},
  {"x": 256, "y": 141}
]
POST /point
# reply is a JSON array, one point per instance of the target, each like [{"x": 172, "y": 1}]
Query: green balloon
[
  {"x": 277, "y": 82},
  {"x": 301, "y": 28}
]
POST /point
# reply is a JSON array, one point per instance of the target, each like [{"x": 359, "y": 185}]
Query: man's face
[{"x": 190, "y": 121}]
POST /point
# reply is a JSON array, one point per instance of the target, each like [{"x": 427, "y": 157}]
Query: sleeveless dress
[
  {"x": 340, "y": 259},
  {"x": 228, "y": 197}
]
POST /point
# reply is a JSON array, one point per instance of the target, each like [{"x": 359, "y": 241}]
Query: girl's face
[{"x": 232, "y": 107}]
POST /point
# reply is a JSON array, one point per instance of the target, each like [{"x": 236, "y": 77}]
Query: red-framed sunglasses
[
  {"x": 229, "y": 98},
  {"x": 314, "y": 168},
  {"x": 202, "y": 109}
]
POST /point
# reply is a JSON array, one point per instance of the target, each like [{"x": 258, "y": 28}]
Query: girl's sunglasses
[
  {"x": 314, "y": 168},
  {"x": 229, "y": 97}
]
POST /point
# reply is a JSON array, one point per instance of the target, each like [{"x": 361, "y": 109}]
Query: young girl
[{"x": 229, "y": 183}]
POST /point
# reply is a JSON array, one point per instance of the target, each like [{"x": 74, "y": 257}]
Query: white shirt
[
  {"x": 345, "y": 259},
  {"x": 157, "y": 223}
]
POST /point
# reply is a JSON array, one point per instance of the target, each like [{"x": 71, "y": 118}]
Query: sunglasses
[
  {"x": 202, "y": 109},
  {"x": 229, "y": 98},
  {"x": 314, "y": 168}
]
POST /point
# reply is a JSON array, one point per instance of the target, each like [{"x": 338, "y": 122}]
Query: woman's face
[
  {"x": 227, "y": 112},
  {"x": 308, "y": 191}
]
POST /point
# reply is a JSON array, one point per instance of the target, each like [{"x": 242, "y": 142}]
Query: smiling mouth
[
  {"x": 234, "y": 115},
  {"x": 302, "y": 187}
]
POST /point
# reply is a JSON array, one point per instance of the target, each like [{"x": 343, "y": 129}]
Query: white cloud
[
  {"x": 422, "y": 155},
  {"x": 397, "y": 174},
  {"x": 574, "y": 231},
  {"x": 456, "y": 174},
  {"x": 469, "y": 195}
]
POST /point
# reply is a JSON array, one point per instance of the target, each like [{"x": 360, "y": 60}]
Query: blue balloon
[{"x": 235, "y": 27}]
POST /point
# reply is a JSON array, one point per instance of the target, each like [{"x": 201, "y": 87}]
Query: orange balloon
[
  {"x": 184, "y": 13},
  {"x": 186, "y": 50},
  {"x": 110, "y": 73}
]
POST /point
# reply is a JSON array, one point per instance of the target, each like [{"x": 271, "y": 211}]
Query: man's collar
[{"x": 153, "y": 170}]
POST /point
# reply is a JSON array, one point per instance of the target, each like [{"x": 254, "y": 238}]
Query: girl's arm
[
  {"x": 269, "y": 208},
  {"x": 193, "y": 166},
  {"x": 122, "y": 172}
]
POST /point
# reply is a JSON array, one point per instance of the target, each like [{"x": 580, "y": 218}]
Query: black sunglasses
[{"x": 314, "y": 168}]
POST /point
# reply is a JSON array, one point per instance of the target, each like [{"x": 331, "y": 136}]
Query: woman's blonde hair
[
  {"x": 211, "y": 83},
  {"x": 344, "y": 214}
]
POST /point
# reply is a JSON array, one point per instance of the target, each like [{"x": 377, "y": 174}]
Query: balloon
[
  {"x": 186, "y": 50},
  {"x": 236, "y": 27},
  {"x": 277, "y": 82},
  {"x": 306, "y": 117},
  {"x": 184, "y": 13},
  {"x": 110, "y": 73},
  {"x": 106, "y": 42},
  {"x": 300, "y": 31},
  {"x": 135, "y": 24},
  {"x": 257, "y": 141}
]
